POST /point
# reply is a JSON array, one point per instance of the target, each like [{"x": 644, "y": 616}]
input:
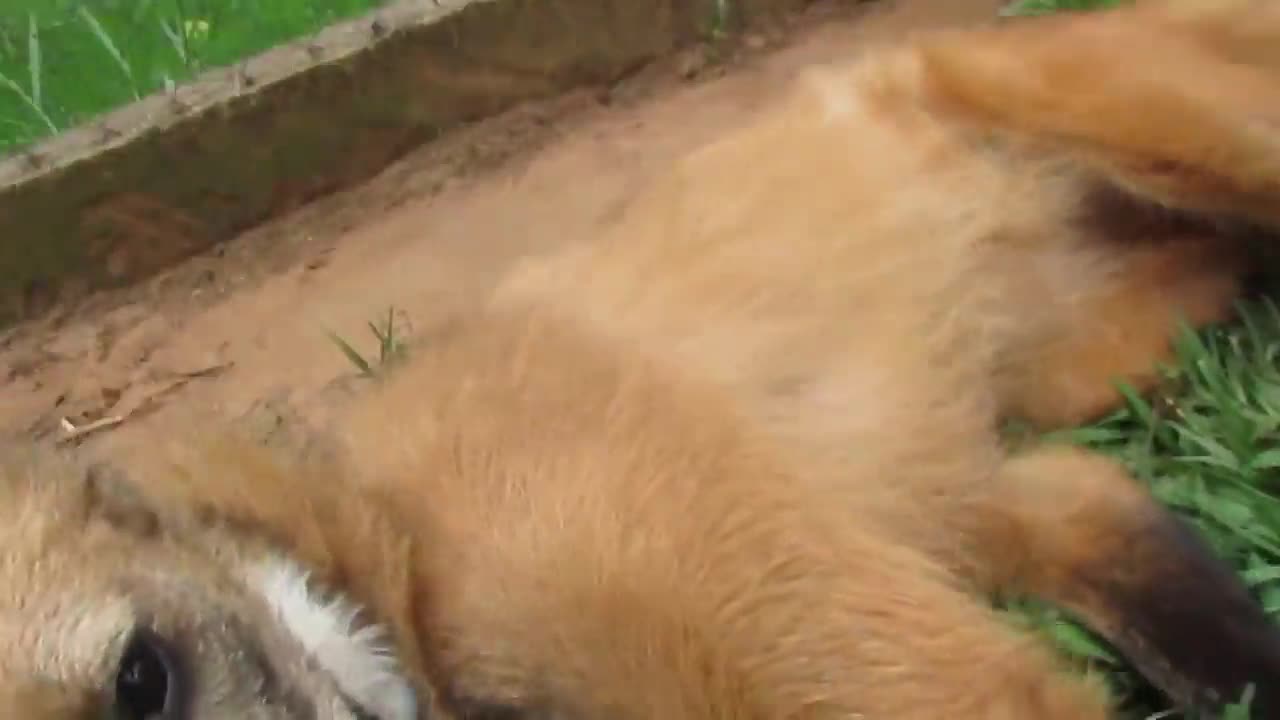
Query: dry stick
[{"x": 73, "y": 432}]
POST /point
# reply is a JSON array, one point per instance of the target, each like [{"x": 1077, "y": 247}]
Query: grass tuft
[{"x": 390, "y": 347}]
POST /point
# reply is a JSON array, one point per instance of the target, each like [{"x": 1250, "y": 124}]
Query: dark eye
[{"x": 147, "y": 682}]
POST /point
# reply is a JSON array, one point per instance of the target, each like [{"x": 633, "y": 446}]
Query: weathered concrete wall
[{"x": 156, "y": 181}]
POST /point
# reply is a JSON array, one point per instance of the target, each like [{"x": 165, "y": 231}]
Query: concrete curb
[{"x": 112, "y": 202}]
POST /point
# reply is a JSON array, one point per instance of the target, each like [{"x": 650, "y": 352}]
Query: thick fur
[{"x": 739, "y": 458}]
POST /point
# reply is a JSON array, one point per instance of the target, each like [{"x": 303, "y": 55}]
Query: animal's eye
[{"x": 147, "y": 681}]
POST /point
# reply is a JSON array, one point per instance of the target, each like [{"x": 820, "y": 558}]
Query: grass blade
[
  {"x": 33, "y": 60},
  {"x": 16, "y": 89},
  {"x": 179, "y": 44},
  {"x": 353, "y": 355},
  {"x": 105, "y": 38}
]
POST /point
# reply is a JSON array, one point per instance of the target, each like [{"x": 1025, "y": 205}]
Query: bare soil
[{"x": 240, "y": 331}]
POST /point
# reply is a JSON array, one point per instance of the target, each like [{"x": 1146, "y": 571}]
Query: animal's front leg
[{"x": 1074, "y": 528}]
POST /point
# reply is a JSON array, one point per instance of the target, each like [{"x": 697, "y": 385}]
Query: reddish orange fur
[
  {"x": 1068, "y": 374},
  {"x": 1200, "y": 72}
]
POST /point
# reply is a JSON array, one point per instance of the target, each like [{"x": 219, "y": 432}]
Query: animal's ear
[
  {"x": 199, "y": 477},
  {"x": 112, "y": 496},
  {"x": 1176, "y": 102}
]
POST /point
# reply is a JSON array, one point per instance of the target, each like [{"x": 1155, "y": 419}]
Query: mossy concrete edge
[{"x": 114, "y": 201}]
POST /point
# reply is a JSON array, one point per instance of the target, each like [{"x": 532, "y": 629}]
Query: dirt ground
[{"x": 241, "y": 330}]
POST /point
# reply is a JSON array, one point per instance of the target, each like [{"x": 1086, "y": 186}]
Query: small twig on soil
[{"x": 72, "y": 431}]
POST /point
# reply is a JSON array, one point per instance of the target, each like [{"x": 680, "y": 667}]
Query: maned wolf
[{"x": 738, "y": 459}]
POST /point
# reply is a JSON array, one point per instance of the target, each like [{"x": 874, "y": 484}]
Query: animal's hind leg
[
  {"x": 1120, "y": 326},
  {"x": 1240, "y": 31},
  {"x": 1174, "y": 102}
]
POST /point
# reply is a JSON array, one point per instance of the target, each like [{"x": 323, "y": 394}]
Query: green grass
[
  {"x": 390, "y": 343},
  {"x": 63, "y": 62},
  {"x": 1044, "y": 7}
]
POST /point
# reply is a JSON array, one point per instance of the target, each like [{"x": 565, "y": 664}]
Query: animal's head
[{"x": 112, "y": 609}]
